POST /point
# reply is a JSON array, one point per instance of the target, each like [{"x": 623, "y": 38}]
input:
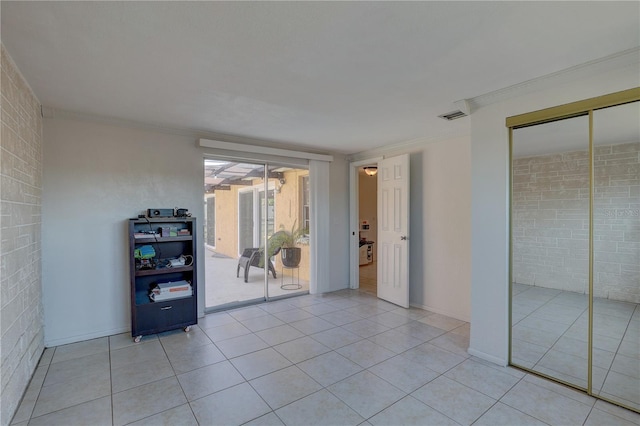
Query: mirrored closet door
[
  {"x": 616, "y": 253},
  {"x": 575, "y": 245},
  {"x": 550, "y": 249}
]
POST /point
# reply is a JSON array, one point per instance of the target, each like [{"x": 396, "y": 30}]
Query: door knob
[{"x": 403, "y": 238}]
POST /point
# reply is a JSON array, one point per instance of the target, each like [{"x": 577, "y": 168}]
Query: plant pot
[{"x": 291, "y": 256}]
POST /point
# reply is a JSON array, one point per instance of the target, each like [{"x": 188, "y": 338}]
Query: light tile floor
[
  {"x": 550, "y": 335},
  {"x": 343, "y": 358}
]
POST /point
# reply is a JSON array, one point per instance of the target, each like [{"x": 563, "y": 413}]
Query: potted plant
[{"x": 285, "y": 242}]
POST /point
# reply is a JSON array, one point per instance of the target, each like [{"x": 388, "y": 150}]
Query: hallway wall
[{"x": 440, "y": 223}]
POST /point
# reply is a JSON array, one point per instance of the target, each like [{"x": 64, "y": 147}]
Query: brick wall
[
  {"x": 551, "y": 221},
  {"x": 616, "y": 222},
  {"x": 21, "y": 312}
]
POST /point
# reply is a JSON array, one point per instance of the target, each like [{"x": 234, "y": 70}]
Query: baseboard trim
[
  {"x": 440, "y": 311},
  {"x": 83, "y": 337},
  {"x": 485, "y": 356}
]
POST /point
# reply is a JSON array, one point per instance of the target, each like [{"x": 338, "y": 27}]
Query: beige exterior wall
[
  {"x": 289, "y": 213},
  {"x": 551, "y": 221},
  {"x": 21, "y": 307},
  {"x": 227, "y": 222},
  {"x": 288, "y": 199}
]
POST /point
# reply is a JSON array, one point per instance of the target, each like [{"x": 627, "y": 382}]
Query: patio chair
[{"x": 251, "y": 257}]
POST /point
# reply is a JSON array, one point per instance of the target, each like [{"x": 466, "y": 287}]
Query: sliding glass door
[
  {"x": 575, "y": 245},
  {"x": 256, "y": 205}
]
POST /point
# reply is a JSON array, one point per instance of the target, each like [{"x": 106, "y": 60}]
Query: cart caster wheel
[
  {"x": 137, "y": 339},
  {"x": 187, "y": 329}
]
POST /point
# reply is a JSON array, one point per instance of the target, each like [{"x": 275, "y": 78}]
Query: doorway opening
[
  {"x": 368, "y": 229},
  {"x": 253, "y": 209}
]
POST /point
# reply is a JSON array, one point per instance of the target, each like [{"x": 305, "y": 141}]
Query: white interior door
[{"x": 393, "y": 230}]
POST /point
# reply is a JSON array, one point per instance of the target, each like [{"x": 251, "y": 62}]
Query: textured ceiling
[{"x": 335, "y": 76}]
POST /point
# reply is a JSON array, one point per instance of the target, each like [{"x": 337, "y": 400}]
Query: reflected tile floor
[
  {"x": 550, "y": 335},
  {"x": 342, "y": 358}
]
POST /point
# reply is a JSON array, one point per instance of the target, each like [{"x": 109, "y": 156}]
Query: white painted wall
[
  {"x": 489, "y": 208},
  {"x": 441, "y": 216},
  {"x": 96, "y": 176},
  {"x": 440, "y": 224}
]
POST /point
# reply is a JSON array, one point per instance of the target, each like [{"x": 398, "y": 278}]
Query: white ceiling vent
[{"x": 454, "y": 115}]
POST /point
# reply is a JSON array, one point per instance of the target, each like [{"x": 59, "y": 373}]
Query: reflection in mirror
[
  {"x": 616, "y": 277},
  {"x": 550, "y": 249}
]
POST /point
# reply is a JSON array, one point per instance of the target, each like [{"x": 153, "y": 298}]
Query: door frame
[{"x": 354, "y": 210}]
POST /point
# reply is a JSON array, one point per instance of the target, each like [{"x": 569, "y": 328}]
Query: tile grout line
[
  {"x": 374, "y": 307},
  {"x": 175, "y": 374},
  {"x": 499, "y": 400},
  {"x": 628, "y": 320},
  {"x": 616, "y": 352},
  {"x": 39, "y": 388},
  {"x": 74, "y": 405},
  {"x": 395, "y": 355},
  {"x": 322, "y": 387}
]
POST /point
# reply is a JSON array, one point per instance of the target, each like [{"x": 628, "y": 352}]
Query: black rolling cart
[{"x": 162, "y": 265}]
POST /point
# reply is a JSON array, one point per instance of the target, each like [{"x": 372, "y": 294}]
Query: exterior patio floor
[{"x": 222, "y": 287}]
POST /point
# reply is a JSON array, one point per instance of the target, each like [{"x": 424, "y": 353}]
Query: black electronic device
[
  {"x": 160, "y": 213},
  {"x": 182, "y": 213}
]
